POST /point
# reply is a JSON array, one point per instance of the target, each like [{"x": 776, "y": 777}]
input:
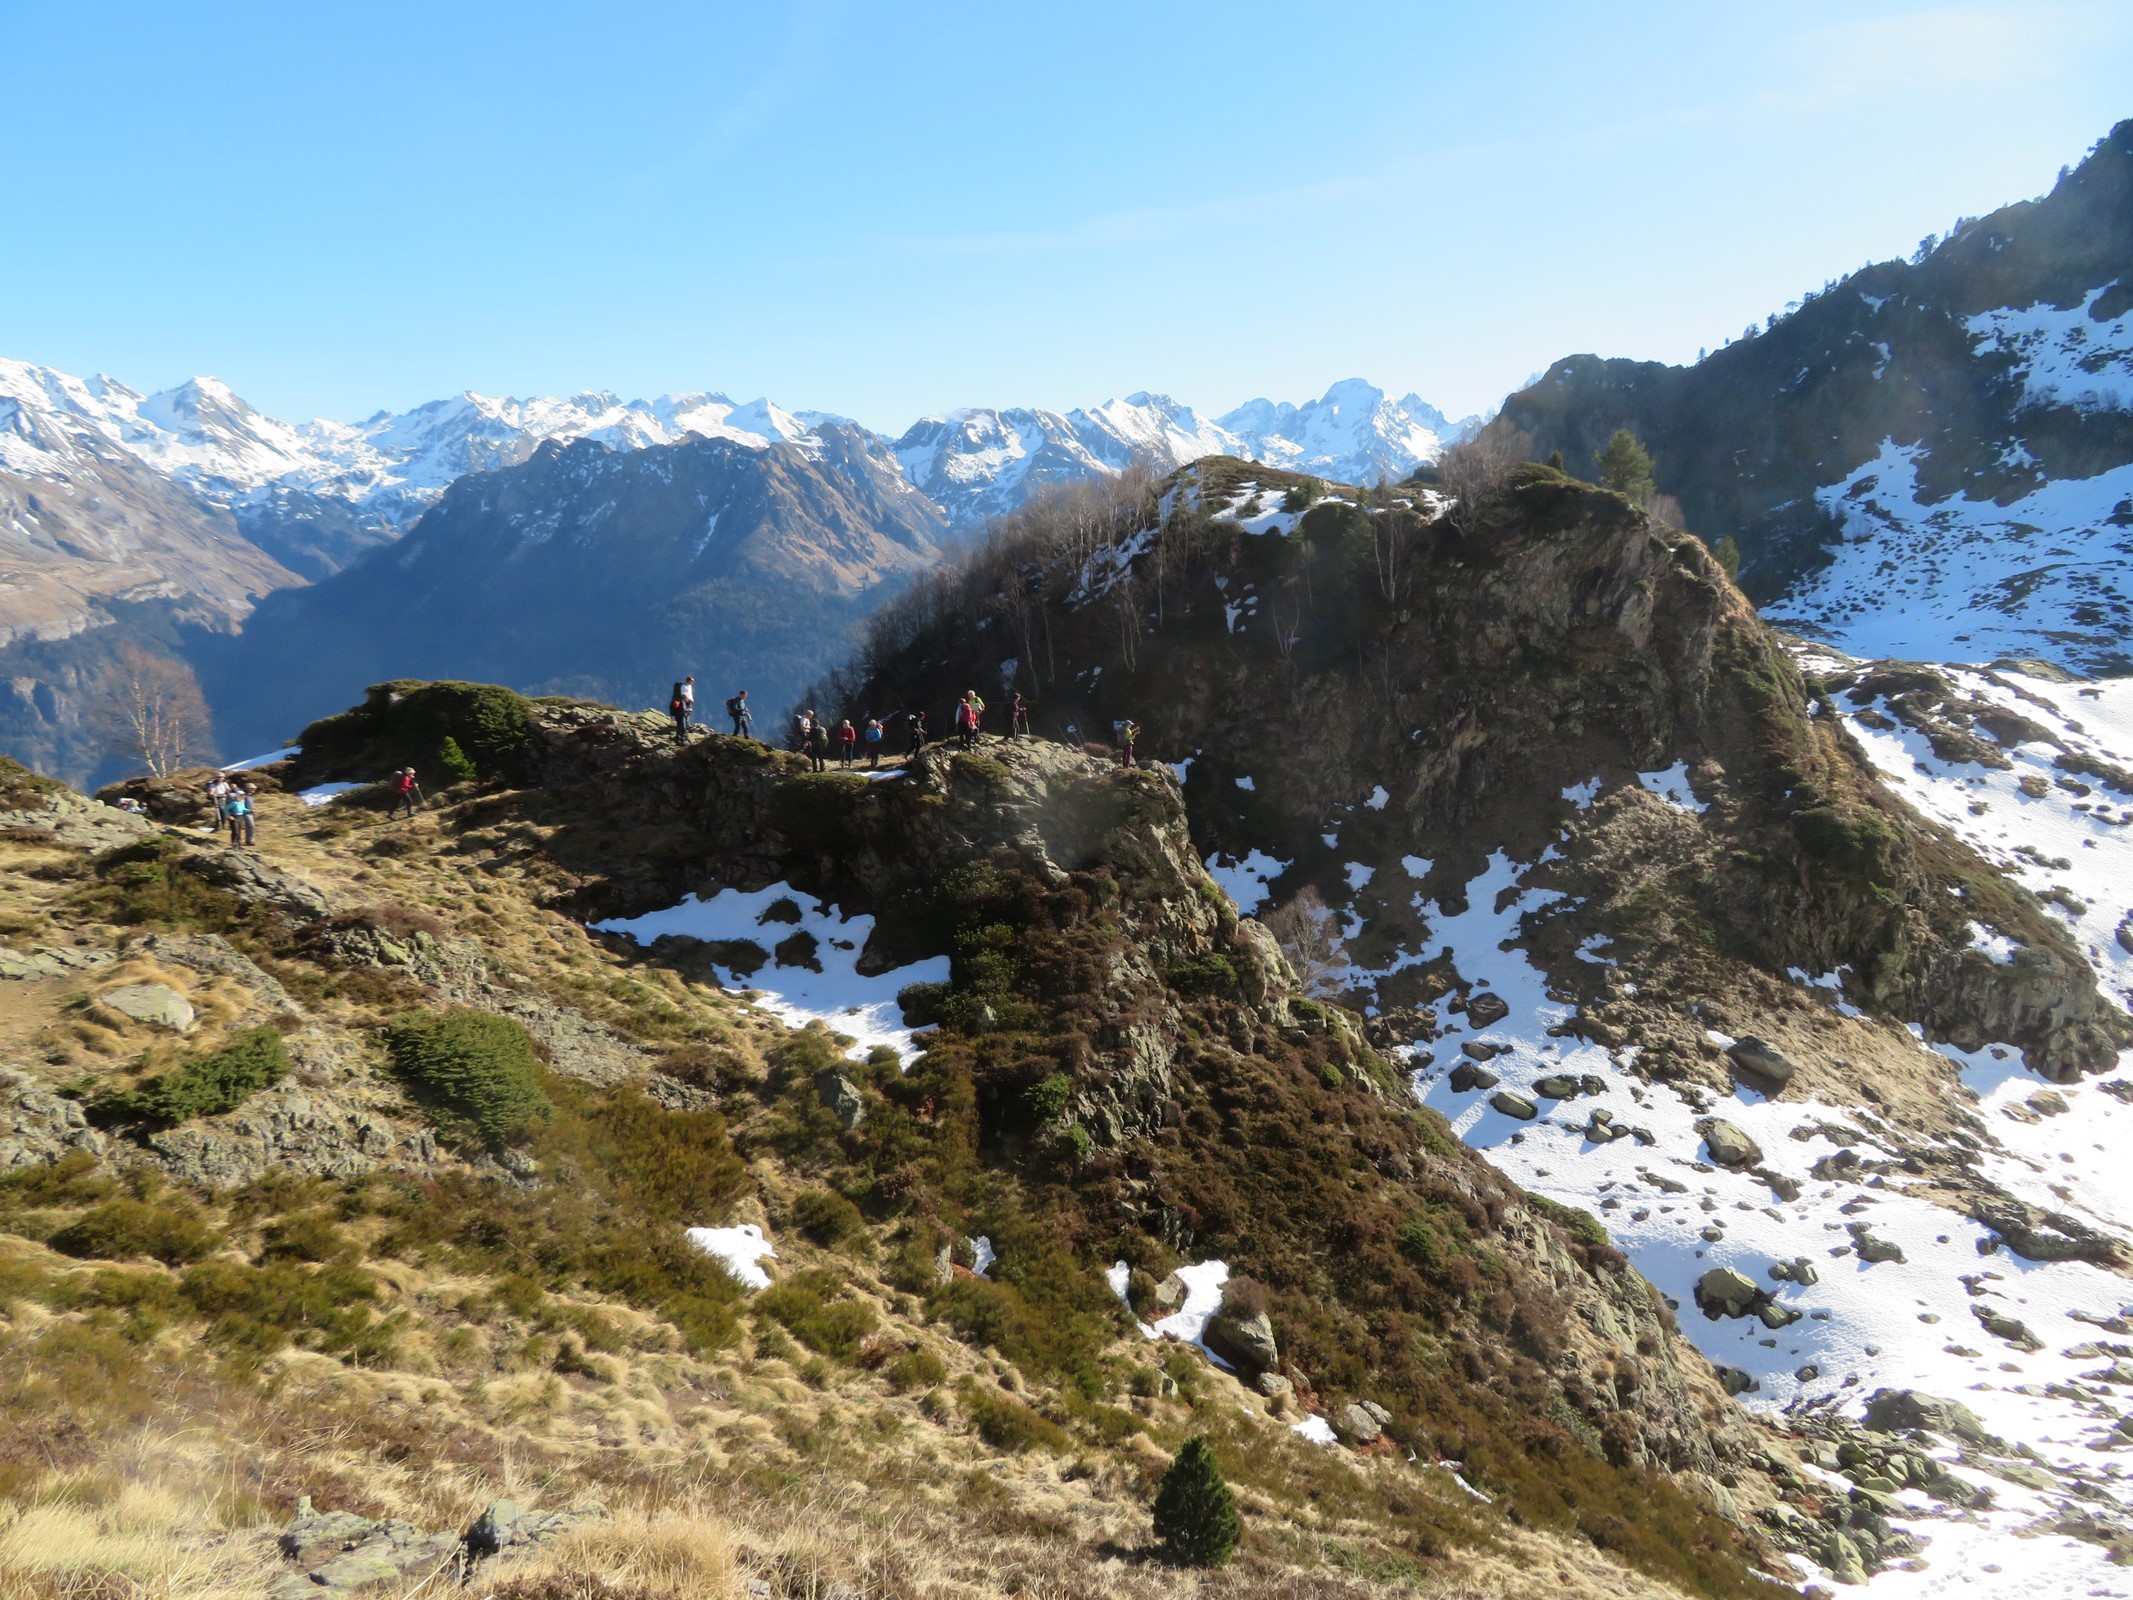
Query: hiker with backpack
[
  {"x": 1128, "y": 732},
  {"x": 818, "y": 746},
  {"x": 967, "y": 712},
  {"x": 872, "y": 736},
  {"x": 737, "y": 709},
  {"x": 407, "y": 791},
  {"x": 218, "y": 794},
  {"x": 238, "y": 809},
  {"x": 916, "y": 721},
  {"x": 806, "y": 739},
  {"x": 1018, "y": 718},
  {"x": 683, "y": 706},
  {"x": 847, "y": 743}
]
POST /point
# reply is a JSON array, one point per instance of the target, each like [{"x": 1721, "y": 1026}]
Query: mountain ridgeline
[
  {"x": 1940, "y": 414},
  {"x": 595, "y": 572}
]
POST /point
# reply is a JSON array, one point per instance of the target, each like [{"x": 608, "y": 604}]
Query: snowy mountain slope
[
  {"x": 1922, "y": 440},
  {"x": 974, "y": 463},
  {"x": 1951, "y": 578},
  {"x": 980, "y": 463},
  {"x": 1354, "y": 433},
  {"x": 394, "y": 465}
]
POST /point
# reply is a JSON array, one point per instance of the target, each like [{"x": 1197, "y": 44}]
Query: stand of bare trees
[
  {"x": 1476, "y": 468},
  {"x": 152, "y": 711}
]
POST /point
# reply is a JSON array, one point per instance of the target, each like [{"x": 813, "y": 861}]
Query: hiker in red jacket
[
  {"x": 847, "y": 742},
  {"x": 406, "y": 792}
]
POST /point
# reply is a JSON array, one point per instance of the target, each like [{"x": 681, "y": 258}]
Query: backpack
[
  {"x": 675, "y": 703},
  {"x": 733, "y": 706}
]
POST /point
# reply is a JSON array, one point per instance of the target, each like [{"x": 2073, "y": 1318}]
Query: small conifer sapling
[{"x": 1195, "y": 1519}]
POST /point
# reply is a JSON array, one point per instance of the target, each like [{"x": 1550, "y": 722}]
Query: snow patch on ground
[
  {"x": 1246, "y": 881},
  {"x": 1970, "y": 580},
  {"x": 1670, "y": 784},
  {"x": 861, "y": 1007},
  {"x": 737, "y": 1249},
  {"x": 326, "y": 793}
]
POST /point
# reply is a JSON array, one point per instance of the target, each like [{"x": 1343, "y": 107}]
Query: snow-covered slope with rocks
[{"x": 1908, "y": 1282}]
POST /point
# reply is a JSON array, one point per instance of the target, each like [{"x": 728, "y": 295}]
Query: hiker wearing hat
[{"x": 407, "y": 791}]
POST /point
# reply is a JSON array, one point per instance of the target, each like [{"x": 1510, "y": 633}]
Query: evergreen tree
[
  {"x": 1195, "y": 1519},
  {"x": 453, "y": 762},
  {"x": 1728, "y": 555},
  {"x": 1555, "y": 459},
  {"x": 1626, "y": 467}
]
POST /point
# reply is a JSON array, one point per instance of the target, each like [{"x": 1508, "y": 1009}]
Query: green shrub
[
  {"x": 811, "y": 1306},
  {"x": 1048, "y": 1097},
  {"x": 453, "y": 763},
  {"x": 120, "y": 1230},
  {"x": 827, "y": 1218},
  {"x": 1208, "y": 974},
  {"x": 397, "y": 721},
  {"x": 205, "y": 1085},
  {"x": 1195, "y": 1518},
  {"x": 254, "y": 1311},
  {"x": 474, "y": 1072},
  {"x": 1006, "y": 1423},
  {"x": 306, "y": 1236},
  {"x": 915, "y": 1369},
  {"x": 1857, "y": 846},
  {"x": 73, "y": 1180}
]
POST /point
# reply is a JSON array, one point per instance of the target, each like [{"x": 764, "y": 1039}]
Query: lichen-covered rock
[
  {"x": 37, "y": 1127},
  {"x": 1729, "y": 1147},
  {"x": 291, "y": 1128},
  {"x": 1725, "y": 1292},
  {"x": 1514, "y": 1105},
  {"x": 1763, "y": 1064},
  {"x": 1355, "y": 1425},
  {"x": 840, "y": 1097},
  {"x": 1245, "y": 1339},
  {"x": 155, "y": 1004}
]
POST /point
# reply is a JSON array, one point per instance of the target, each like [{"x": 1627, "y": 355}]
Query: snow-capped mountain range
[{"x": 392, "y": 466}]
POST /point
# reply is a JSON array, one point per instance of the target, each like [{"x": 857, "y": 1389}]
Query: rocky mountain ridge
[
  {"x": 1931, "y": 460},
  {"x": 1642, "y": 910}
]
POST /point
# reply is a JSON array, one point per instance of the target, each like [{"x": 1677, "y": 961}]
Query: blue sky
[{"x": 887, "y": 209}]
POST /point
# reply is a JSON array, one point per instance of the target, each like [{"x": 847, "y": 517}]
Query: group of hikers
[
  {"x": 236, "y": 804},
  {"x": 814, "y": 738}
]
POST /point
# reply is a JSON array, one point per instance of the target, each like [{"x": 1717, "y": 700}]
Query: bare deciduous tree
[
  {"x": 1476, "y": 468},
  {"x": 1306, "y": 930},
  {"x": 153, "y": 710}
]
